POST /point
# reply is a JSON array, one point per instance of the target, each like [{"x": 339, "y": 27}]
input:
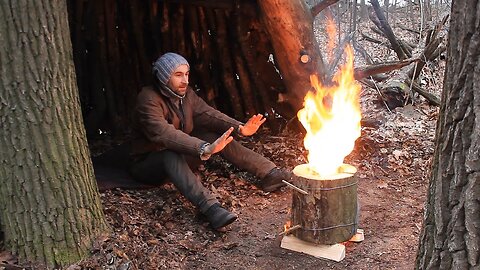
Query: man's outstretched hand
[
  {"x": 218, "y": 144},
  {"x": 252, "y": 125}
]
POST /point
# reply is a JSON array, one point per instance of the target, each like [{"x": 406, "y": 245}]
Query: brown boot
[{"x": 273, "y": 180}]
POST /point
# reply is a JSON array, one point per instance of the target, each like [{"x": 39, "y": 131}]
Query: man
[{"x": 174, "y": 124}]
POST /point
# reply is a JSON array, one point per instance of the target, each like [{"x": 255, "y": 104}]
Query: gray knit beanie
[{"x": 166, "y": 64}]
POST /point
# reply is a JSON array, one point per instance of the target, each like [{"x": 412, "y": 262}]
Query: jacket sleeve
[
  {"x": 207, "y": 116},
  {"x": 157, "y": 129}
]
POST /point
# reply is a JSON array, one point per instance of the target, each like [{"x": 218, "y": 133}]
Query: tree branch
[
  {"x": 387, "y": 30},
  {"x": 432, "y": 99},
  {"x": 321, "y": 6},
  {"x": 363, "y": 72}
]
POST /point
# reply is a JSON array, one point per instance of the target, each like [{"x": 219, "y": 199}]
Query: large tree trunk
[
  {"x": 50, "y": 208},
  {"x": 290, "y": 27},
  {"x": 450, "y": 237}
]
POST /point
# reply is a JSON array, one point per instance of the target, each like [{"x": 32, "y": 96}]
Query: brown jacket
[{"x": 158, "y": 121}]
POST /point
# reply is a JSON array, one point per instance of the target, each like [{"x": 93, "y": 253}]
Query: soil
[{"x": 158, "y": 229}]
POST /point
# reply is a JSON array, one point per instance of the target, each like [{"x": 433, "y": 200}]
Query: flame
[
  {"x": 287, "y": 226},
  {"x": 331, "y": 117}
]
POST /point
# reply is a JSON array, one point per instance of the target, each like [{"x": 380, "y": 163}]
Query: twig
[
  {"x": 289, "y": 230},
  {"x": 380, "y": 93},
  {"x": 296, "y": 188}
]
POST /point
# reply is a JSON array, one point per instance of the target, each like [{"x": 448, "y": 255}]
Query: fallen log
[
  {"x": 408, "y": 29},
  {"x": 431, "y": 98},
  {"x": 376, "y": 41},
  {"x": 396, "y": 91}
]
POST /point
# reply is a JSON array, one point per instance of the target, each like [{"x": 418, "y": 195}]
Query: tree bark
[
  {"x": 290, "y": 28},
  {"x": 450, "y": 237},
  {"x": 50, "y": 208}
]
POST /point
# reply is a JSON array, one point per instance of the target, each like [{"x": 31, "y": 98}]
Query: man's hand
[
  {"x": 252, "y": 125},
  {"x": 218, "y": 144}
]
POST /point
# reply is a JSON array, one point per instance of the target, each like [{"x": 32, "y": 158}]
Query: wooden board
[
  {"x": 358, "y": 237},
  {"x": 334, "y": 252}
]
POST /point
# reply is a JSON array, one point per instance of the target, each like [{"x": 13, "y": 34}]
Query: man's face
[{"x": 179, "y": 80}]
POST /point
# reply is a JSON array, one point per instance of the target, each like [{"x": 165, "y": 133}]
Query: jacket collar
[{"x": 166, "y": 91}]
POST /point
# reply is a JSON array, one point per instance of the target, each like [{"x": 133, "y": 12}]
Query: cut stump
[{"x": 328, "y": 213}]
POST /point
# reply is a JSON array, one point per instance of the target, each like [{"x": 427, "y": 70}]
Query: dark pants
[{"x": 157, "y": 167}]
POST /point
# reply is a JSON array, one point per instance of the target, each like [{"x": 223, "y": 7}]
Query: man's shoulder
[
  {"x": 146, "y": 89},
  {"x": 147, "y": 92},
  {"x": 148, "y": 95}
]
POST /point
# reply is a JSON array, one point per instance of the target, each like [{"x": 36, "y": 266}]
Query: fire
[
  {"x": 331, "y": 117},
  {"x": 287, "y": 226}
]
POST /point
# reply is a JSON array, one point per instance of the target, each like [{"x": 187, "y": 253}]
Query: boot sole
[{"x": 229, "y": 220}]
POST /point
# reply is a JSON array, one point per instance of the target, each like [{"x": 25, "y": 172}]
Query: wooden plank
[
  {"x": 358, "y": 237},
  {"x": 334, "y": 252}
]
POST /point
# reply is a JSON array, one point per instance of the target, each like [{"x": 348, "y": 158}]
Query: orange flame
[
  {"x": 331, "y": 117},
  {"x": 287, "y": 226}
]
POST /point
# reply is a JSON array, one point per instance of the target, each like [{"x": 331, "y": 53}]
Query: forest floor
[{"x": 158, "y": 229}]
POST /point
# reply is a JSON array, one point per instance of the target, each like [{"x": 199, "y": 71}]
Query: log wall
[{"x": 115, "y": 43}]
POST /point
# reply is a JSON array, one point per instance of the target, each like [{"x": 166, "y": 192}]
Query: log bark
[
  {"x": 328, "y": 213},
  {"x": 228, "y": 67},
  {"x": 247, "y": 30}
]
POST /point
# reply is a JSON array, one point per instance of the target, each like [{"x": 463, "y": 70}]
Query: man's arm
[
  {"x": 156, "y": 128},
  {"x": 205, "y": 115},
  {"x": 218, "y": 121}
]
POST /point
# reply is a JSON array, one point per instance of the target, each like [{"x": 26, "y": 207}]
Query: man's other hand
[
  {"x": 252, "y": 125},
  {"x": 219, "y": 143}
]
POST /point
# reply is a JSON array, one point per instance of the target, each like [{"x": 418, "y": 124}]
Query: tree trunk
[
  {"x": 450, "y": 237},
  {"x": 50, "y": 208},
  {"x": 363, "y": 10},
  {"x": 290, "y": 27}
]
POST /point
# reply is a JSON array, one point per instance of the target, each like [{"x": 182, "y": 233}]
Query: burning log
[
  {"x": 328, "y": 214},
  {"x": 324, "y": 206}
]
